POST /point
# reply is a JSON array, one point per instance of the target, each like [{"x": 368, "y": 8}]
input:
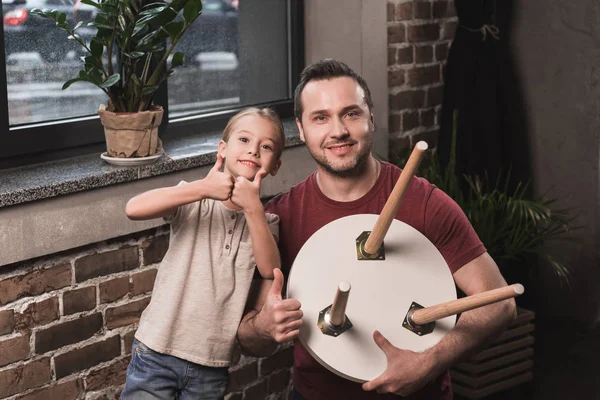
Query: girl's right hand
[{"x": 219, "y": 185}]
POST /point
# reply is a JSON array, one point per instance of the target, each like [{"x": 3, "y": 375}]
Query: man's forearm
[
  {"x": 474, "y": 330},
  {"x": 252, "y": 341}
]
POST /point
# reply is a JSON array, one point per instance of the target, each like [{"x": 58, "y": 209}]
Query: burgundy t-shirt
[{"x": 304, "y": 209}]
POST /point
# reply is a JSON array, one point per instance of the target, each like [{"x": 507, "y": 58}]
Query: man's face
[{"x": 337, "y": 125}]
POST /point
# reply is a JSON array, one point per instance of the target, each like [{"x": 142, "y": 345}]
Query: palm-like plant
[
  {"x": 135, "y": 32},
  {"x": 511, "y": 225}
]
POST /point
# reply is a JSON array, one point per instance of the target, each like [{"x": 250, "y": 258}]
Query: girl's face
[{"x": 253, "y": 144}]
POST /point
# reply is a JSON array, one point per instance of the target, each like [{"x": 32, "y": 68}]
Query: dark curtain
[{"x": 471, "y": 86}]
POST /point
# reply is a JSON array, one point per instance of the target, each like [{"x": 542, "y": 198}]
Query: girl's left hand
[{"x": 246, "y": 194}]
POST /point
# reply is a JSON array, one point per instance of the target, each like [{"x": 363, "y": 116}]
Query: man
[{"x": 334, "y": 115}]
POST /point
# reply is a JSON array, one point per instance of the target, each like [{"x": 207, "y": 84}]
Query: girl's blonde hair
[{"x": 266, "y": 113}]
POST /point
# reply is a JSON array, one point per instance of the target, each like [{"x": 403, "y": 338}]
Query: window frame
[{"x": 51, "y": 140}]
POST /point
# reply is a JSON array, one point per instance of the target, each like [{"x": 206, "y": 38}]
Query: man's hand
[
  {"x": 280, "y": 319},
  {"x": 218, "y": 184},
  {"x": 246, "y": 194},
  {"x": 406, "y": 370}
]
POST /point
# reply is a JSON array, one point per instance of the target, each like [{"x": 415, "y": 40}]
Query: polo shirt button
[
  {"x": 227, "y": 247},
  {"x": 232, "y": 216},
  {"x": 230, "y": 231}
]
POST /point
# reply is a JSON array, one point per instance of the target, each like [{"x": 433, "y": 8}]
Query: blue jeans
[{"x": 156, "y": 376}]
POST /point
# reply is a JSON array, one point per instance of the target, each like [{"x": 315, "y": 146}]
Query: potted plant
[
  {"x": 129, "y": 57},
  {"x": 517, "y": 230},
  {"x": 513, "y": 226}
]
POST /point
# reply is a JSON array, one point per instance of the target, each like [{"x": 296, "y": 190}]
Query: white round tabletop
[{"x": 381, "y": 294}]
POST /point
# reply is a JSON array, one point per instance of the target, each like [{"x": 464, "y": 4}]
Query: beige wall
[{"x": 355, "y": 32}]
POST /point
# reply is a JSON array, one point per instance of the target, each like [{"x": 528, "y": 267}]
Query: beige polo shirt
[{"x": 202, "y": 284}]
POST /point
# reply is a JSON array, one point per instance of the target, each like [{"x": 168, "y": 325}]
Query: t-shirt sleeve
[
  {"x": 182, "y": 213},
  {"x": 273, "y": 221},
  {"x": 449, "y": 229}
]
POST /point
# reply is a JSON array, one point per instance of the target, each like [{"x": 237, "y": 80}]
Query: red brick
[
  {"x": 69, "y": 332},
  {"x": 410, "y": 120},
  {"x": 142, "y": 282},
  {"x": 449, "y": 29},
  {"x": 154, "y": 250},
  {"x": 396, "y": 147},
  {"x": 113, "y": 289},
  {"x": 128, "y": 341},
  {"x": 435, "y": 96},
  {"x": 282, "y": 359},
  {"x": 423, "y": 33},
  {"x": 111, "y": 375},
  {"x": 126, "y": 314},
  {"x": 69, "y": 390},
  {"x": 423, "y": 54},
  {"x": 279, "y": 381},
  {"x": 25, "y": 377},
  {"x": 34, "y": 283},
  {"x": 422, "y": 9},
  {"x": 430, "y": 137},
  {"x": 420, "y": 76},
  {"x": 86, "y": 357},
  {"x": 405, "y": 55},
  {"x": 396, "y": 34},
  {"x": 427, "y": 117},
  {"x": 442, "y": 9},
  {"x": 404, "y": 11},
  {"x": 392, "y": 55},
  {"x": 394, "y": 123},
  {"x": 408, "y": 99},
  {"x": 40, "y": 313},
  {"x": 441, "y": 51},
  {"x": 79, "y": 300},
  {"x": 396, "y": 77},
  {"x": 242, "y": 376},
  {"x": 257, "y": 391},
  {"x": 106, "y": 263},
  {"x": 7, "y": 321},
  {"x": 14, "y": 349}
]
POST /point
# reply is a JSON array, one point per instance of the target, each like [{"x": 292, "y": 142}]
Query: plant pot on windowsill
[{"x": 132, "y": 135}]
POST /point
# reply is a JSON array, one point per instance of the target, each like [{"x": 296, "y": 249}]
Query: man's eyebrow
[
  {"x": 352, "y": 107},
  {"x": 319, "y": 112}
]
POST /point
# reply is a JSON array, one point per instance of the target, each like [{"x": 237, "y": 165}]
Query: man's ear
[
  {"x": 275, "y": 168},
  {"x": 372, "y": 121},
  {"x": 299, "y": 125}
]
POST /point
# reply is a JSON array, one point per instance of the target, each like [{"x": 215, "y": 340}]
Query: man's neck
[{"x": 348, "y": 188}]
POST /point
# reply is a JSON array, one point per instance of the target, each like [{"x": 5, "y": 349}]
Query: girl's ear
[
  {"x": 222, "y": 148},
  {"x": 275, "y": 168}
]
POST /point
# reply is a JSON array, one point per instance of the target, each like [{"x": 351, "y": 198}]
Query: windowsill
[{"x": 42, "y": 181}]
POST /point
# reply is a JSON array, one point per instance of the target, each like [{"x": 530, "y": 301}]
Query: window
[{"x": 238, "y": 53}]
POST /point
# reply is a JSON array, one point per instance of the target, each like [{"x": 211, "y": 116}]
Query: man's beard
[{"x": 356, "y": 168}]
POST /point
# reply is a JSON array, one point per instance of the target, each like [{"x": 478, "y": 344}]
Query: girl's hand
[
  {"x": 246, "y": 194},
  {"x": 219, "y": 185}
]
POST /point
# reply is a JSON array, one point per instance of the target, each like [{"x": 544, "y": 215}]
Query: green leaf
[
  {"x": 97, "y": 47},
  {"x": 72, "y": 81},
  {"x": 62, "y": 17},
  {"x": 177, "y": 59},
  {"x": 190, "y": 12},
  {"x": 111, "y": 80},
  {"x": 134, "y": 55},
  {"x": 91, "y": 3},
  {"x": 78, "y": 25},
  {"x": 149, "y": 90},
  {"x": 175, "y": 29}
]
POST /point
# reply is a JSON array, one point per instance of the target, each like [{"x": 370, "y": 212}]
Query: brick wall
[
  {"x": 67, "y": 323},
  {"x": 419, "y": 37}
]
